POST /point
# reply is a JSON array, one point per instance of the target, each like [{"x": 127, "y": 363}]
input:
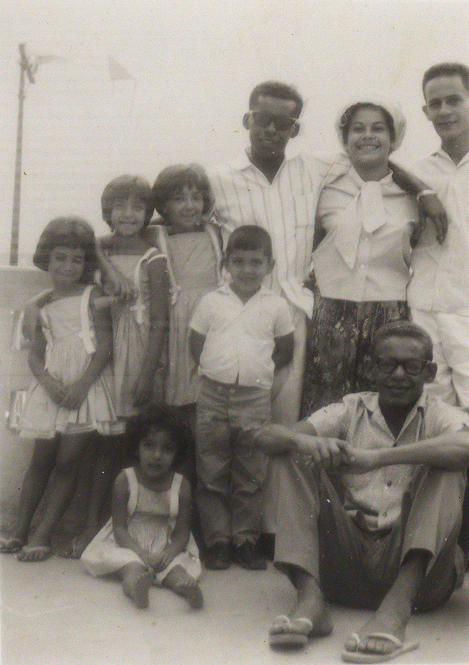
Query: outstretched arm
[
  {"x": 120, "y": 498},
  {"x": 119, "y": 284},
  {"x": 181, "y": 532},
  {"x": 430, "y": 205}
]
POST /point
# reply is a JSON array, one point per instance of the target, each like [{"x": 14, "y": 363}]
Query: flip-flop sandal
[
  {"x": 39, "y": 552},
  {"x": 368, "y": 657},
  {"x": 10, "y": 545},
  {"x": 286, "y": 632}
]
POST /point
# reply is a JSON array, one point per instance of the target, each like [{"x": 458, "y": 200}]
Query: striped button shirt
[{"x": 286, "y": 208}]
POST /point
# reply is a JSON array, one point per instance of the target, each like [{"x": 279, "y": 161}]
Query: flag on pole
[{"x": 116, "y": 71}]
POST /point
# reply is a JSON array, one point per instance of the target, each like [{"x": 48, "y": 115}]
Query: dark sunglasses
[
  {"x": 281, "y": 122},
  {"x": 412, "y": 367}
]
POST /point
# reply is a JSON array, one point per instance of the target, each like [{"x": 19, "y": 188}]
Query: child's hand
[
  {"x": 142, "y": 389},
  {"x": 161, "y": 561},
  {"x": 30, "y": 319},
  {"x": 119, "y": 285},
  {"x": 75, "y": 395},
  {"x": 54, "y": 388}
]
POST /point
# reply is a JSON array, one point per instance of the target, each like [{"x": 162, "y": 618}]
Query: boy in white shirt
[{"x": 240, "y": 333}]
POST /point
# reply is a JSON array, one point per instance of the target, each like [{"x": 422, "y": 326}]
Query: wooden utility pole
[{"x": 25, "y": 69}]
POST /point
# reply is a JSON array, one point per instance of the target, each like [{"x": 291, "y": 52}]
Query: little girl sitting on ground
[{"x": 148, "y": 538}]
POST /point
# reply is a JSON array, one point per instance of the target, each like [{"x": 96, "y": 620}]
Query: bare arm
[
  {"x": 276, "y": 439},
  {"x": 53, "y": 387},
  {"x": 283, "y": 350},
  {"x": 196, "y": 341},
  {"x": 159, "y": 298},
  {"x": 77, "y": 391},
  {"x": 119, "y": 284},
  {"x": 448, "y": 451}
]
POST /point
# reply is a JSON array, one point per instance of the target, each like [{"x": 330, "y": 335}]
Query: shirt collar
[
  {"x": 371, "y": 402},
  {"x": 225, "y": 288},
  {"x": 444, "y": 155}
]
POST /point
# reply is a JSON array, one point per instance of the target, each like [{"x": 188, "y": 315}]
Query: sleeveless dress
[
  {"x": 131, "y": 331},
  {"x": 152, "y": 517},
  {"x": 68, "y": 329},
  {"x": 194, "y": 261}
]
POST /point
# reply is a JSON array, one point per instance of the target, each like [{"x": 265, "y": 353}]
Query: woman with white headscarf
[{"x": 361, "y": 256}]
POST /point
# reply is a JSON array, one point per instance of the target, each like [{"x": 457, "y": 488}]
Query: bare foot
[
  {"x": 311, "y": 605},
  {"x": 136, "y": 584},
  {"x": 75, "y": 548},
  {"x": 32, "y": 553},
  {"x": 179, "y": 581},
  {"x": 371, "y": 637}
]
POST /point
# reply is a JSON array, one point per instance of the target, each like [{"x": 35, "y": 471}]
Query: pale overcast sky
[{"x": 193, "y": 64}]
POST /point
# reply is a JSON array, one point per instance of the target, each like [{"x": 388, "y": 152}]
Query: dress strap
[
  {"x": 174, "y": 496},
  {"x": 133, "y": 490},
  {"x": 86, "y": 332},
  {"x": 140, "y": 306}
]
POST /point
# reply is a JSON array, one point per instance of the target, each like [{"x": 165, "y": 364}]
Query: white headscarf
[{"x": 393, "y": 108}]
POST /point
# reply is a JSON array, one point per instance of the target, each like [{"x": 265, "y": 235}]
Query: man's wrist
[{"x": 425, "y": 192}]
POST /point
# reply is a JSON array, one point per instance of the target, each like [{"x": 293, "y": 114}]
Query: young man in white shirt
[{"x": 438, "y": 293}]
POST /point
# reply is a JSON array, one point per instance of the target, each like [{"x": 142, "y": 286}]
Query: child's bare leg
[
  {"x": 65, "y": 476},
  {"x": 179, "y": 581},
  {"x": 34, "y": 484},
  {"x": 103, "y": 471},
  {"x": 393, "y": 615},
  {"x": 136, "y": 581}
]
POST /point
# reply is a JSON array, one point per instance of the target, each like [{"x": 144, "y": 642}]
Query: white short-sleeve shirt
[
  {"x": 440, "y": 279},
  {"x": 240, "y": 338}
]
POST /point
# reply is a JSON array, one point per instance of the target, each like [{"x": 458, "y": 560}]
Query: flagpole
[{"x": 26, "y": 68}]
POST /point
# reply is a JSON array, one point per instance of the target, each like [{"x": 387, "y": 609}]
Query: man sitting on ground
[{"x": 369, "y": 505}]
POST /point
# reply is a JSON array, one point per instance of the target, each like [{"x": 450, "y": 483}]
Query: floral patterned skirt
[{"x": 337, "y": 346}]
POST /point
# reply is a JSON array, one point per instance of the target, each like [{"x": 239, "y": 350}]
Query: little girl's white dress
[
  {"x": 68, "y": 328},
  {"x": 151, "y": 520},
  {"x": 131, "y": 332}
]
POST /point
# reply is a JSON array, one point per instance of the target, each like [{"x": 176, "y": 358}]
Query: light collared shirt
[
  {"x": 286, "y": 208},
  {"x": 365, "y": 254},
  {"x": 240, "y": 338},
  {"x": 441, "y": 271},
  {"x": 374, "y": 498}
]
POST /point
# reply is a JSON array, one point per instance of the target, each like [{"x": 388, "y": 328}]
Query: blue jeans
[{"x": 231, "y": 470}]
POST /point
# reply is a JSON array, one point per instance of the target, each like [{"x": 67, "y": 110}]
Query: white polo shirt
[
  {"x": 240, "y": 338},
  {"x": 286, "y": 208},
  {"x": 440, "y": 279}
]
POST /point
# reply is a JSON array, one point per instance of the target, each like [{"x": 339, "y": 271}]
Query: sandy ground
[{"x": 55, "y": 614}]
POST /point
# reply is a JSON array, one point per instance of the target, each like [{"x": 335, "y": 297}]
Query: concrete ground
[{"x": 55, "y": 614}]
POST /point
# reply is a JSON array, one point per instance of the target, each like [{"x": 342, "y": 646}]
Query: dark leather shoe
[
  {"x": 247, "y": 556},
  {"x": 217, "y": 557}
]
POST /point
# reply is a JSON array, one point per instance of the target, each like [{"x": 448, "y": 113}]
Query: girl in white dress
[
  {"x": 72, "y": 394},
  {"x": 139, "y": 324},
  {"x": 148, "y": 538}
]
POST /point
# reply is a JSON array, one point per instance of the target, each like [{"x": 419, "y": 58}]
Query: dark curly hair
[
  {"x": 159, "y": 419},
  {"x": 68, "y": 232},
  {"x": 124, "y": 187},
  {"x": 348, "y": 114},
  {"x": 173, "y": 179}
]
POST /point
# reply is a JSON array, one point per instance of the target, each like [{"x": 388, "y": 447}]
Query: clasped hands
[{"x": 326, "y": 453}]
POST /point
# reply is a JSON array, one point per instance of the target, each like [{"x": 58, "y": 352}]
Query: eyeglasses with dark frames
[
  {"x": 412, "y": 366},
  {"x": 282, "y": 122}
]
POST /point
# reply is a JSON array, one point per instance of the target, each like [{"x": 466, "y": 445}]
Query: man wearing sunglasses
[
  {"x": 370, "y": 498},
  {"x": 265, "y": 187},
  {"x": 279, "y": 193}
]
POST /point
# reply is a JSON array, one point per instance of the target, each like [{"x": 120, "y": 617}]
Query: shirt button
[{"x": 389, "y": 483}]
